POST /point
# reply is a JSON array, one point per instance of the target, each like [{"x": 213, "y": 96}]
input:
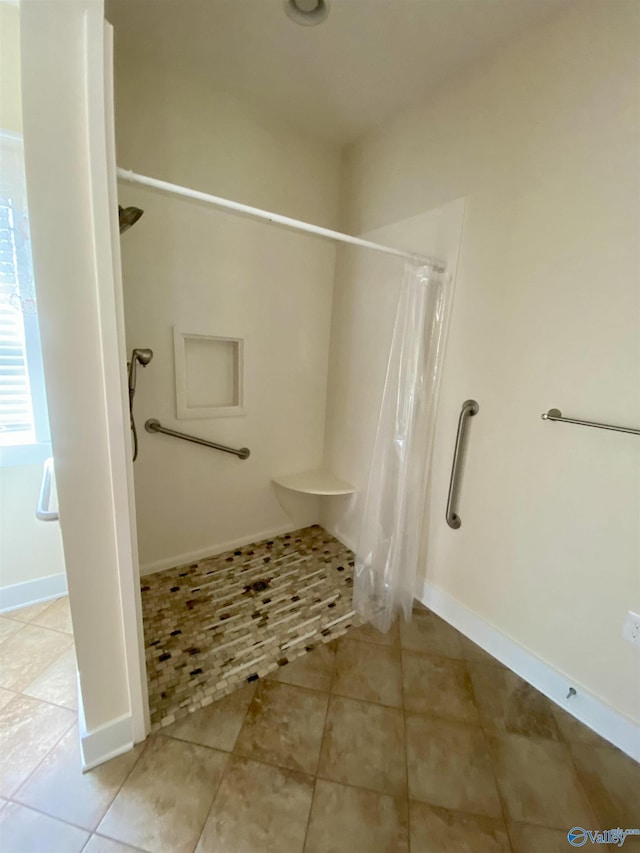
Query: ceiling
[{"x": 367, "y": 61}]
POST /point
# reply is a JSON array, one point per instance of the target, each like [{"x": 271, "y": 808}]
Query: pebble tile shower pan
[{"x": 212, "y": 625}]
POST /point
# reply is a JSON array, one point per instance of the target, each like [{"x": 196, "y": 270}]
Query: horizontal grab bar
[
  {"x": 43, "y": 513},
  {"x": 556, "y": 415},
  {"x": 154, "y": 425}
]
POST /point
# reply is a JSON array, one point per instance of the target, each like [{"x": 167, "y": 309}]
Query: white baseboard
[
  {"x": 105, "y": 742},
  {"x": 593, "y": 712},
  {"x": 32, "y": 592},
  {"x": 212, "y": 550}
]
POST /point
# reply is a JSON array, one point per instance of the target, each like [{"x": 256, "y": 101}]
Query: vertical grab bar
[{"x": 469, "y": 408}]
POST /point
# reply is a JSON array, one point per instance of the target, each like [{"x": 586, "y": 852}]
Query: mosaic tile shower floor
[{"x": 215, "y": 624}]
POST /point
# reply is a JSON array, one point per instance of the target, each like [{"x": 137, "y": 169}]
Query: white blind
[{"x": 16, "y": 410}]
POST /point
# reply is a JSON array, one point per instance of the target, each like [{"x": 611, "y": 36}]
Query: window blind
[{"x": 16, "y": 410}]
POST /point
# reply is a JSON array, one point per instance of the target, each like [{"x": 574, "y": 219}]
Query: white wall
[
  {"x": 212, "y": 273},
  {"x": 543, "y": 140},
  {"x": 365, "y": 300},
  {"x": 29, "y": 549},
  {"x": 67, "y": 166}
]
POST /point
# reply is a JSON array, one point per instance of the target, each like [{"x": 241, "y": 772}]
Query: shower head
[
  {"x": 128, "y": 216},
  {"x": 142, "y": 356},
  {"x": 306, "y": 12},
  {"x": 138, "y": 356}
]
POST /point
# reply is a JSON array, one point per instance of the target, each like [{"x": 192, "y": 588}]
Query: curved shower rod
[{"x": 276, "y": 218}]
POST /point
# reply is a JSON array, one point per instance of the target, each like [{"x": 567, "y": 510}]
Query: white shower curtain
[{"x": 395, "y": 505}]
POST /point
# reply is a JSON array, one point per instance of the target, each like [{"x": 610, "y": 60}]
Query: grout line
[
  {"x": 322, "y": 740},
  {"x": 39, "y": 810},
  {"x": 44, "y": 758},
  {"x": 213, "y": 799},
  {"x": 406, "y": 743},
  {"x": 485, "y": 738},
  {"x": 580, "y": 782}
]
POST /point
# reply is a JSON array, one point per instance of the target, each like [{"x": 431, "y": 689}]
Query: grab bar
[
  {"x": 469, "y": 408},
  {"x": 556, "y": 415},
  {"x": 154, "y": 425},
  {"x": 42, "y": 510}
]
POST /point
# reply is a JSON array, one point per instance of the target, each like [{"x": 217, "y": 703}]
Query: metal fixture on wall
[
  {"x": 469, "y": 408},
  {"x": 154, "y": 425},
  {"x": 128, "y": 216},
  {"x": 143, "y": 357},
  {"x": 306, "y": 12},
  {"x": 556, "y": 415}
]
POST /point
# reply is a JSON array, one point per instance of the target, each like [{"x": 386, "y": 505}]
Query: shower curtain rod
[{"x": 217, "y": 201}]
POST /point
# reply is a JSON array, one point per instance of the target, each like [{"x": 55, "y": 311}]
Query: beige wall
[
  {"x": 29, "y": 549},
  {"x": 10, "y": 106},
  {"x": 544, "y": 142},
  {"x": 62, "y": 53},
  {"x": 218, "y": 274}
]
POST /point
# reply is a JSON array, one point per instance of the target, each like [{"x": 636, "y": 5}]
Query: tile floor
[
  {"x": 224, "y": 621},
  {"x": 415, "y": 742}
]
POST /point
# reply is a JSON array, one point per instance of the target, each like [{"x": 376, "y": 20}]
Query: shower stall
[{"x": 234, "y": 611}]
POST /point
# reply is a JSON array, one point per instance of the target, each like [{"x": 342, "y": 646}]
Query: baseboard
[
  {"x": 32, "y": 592},
  {"x": 105, "y": 742},
  {"x": 212, "y": 550},
  {"x": 593, "y": 712}
]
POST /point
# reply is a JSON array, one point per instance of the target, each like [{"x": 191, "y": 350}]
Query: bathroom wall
[
  {"x": 543, "y": 140},
  {"x": 29, "y": 549},
  {"x": 64, "y": 88},
  {"x": 211, "y": 273},
  {"x": 365, "y": 299}
]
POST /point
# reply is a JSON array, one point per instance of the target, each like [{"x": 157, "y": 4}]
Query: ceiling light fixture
[{"x": 306, "y": 12}]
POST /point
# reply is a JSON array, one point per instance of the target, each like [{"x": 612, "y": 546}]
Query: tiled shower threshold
[{"x": 215, "y": 624}]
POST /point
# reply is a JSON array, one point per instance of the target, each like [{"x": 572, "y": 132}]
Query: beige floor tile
[
  {"x": 284, "y": 726},
  {"x": 363, "y": 745},
  {"x": 25, "y": 831},
  {"x": 217, "y": 725},
  {"x": 429, "y": 634},
  {"x": 6, "y": 696},
  {"x": 351, "y": 820},
  {"x": 439, "y": 686},
  {"x": 507, "y": 703},
  {"x": 8, "y": 627},
  {"x": 314, "y": 670},
  {"x": 449, "y": 766},
  {"x": 612, "y": 782},
  {"x": 28, "y": 730},
  {"x": 436, "y": 830},
  {"x": 369, "y": 634},
  {"x": 574, "y": 731},
  {"x": 538, "y": 839},
  {"x": 59, "y": 788},
  {"x": 258, "y": 808},
  {"x": 26, "y": 654},
  {"x": 164, "y": 802},
  {"x": 369, "y": 672},
  {"x": 57, "y": 616},
  {"x": 58, "y": 684},
  {"x": 100, "y": 844},
  {"x": 472, "y": 652},
  {"x": 538, "y": 782},
  {"x": 28, "y": 613}
]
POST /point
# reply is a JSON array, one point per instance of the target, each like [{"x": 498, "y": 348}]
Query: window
[{"x": 24, "y": 428}]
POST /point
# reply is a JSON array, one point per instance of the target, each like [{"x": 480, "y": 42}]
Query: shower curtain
[{"x": 389, "y": 543}]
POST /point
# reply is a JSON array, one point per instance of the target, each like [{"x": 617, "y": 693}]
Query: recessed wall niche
[{"x": 209, "y": 373}]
